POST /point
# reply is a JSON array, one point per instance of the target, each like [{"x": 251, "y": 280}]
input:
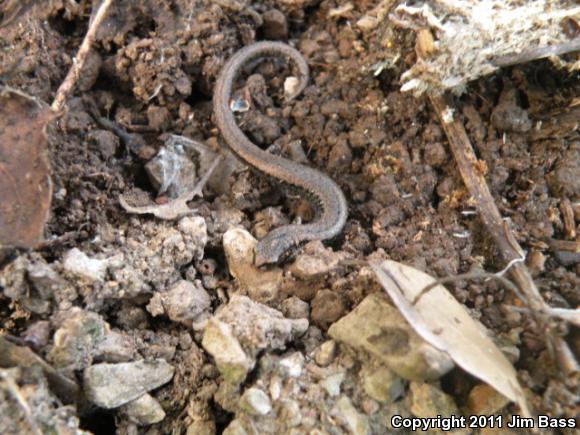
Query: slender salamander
[{"x": 329, "y": 200}]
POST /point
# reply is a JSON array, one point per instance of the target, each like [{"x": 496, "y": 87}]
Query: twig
[
  {"x": 71, "y": 78},
  {"x": 537, "y": 53},
  {"x": 501, "y": 234}
]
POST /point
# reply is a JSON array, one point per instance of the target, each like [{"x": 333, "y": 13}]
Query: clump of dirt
[{"x": 152, "y": 72}]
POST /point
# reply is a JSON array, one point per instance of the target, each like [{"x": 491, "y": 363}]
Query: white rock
[
  {"x": 78, "y": 263},
  {"x": 255, "y": 401}
]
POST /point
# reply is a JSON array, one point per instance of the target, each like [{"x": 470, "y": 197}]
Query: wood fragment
[
  {"x": 500, "y": 233},
  {"x": 568, "y": 218},
  {"x": 537, "y": 53}
]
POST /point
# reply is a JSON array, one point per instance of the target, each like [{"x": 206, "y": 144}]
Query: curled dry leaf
[
  {"x": 25, "y": 186},
  {"x": 446, "y": 324}
]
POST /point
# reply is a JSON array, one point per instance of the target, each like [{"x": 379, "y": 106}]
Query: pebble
[
  {"x": 327, "y": 307},
  {"x": 484, "y": 400},
  {"x": 76, "y": 339},
  {"x": 293, "y": 364},
  {"x": 79, "y": 264},
  {"x": 274, "y": 24},
  {"x": 144, "y": 411},
  {"x": 231, "y": 360},
  {"x": 116, "y": 347},
  {"x": 261, "y": 285},
  {"x": 171, "y": 172},
  {"x": 112, "y": 385},
  {"x": 378, "y": 328},
  {"x": 255, "y": 401},
  {"x": 383, "y": 385},
  {"x": 325, "y": 355},
  {"x": 356, "y": 422},
  {"x": 105, "y": 142},
  {"x": 332, "y": 384},
  {"x": 425, "y": 400},
  {"x": 295, "y": 308},
  {"x": 315, "y": 260},
  {"x": 185, "y": 301},
  {"x": 243, "y": 328},
  {"x": 201, "y": 427}
]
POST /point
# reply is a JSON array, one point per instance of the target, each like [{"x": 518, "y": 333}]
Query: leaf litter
[{"x": 446, "y": 324}]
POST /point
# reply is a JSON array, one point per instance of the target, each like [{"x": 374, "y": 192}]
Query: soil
[{"x": 152, "y": 71}]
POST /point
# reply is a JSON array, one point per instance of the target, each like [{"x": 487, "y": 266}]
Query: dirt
[{"x": 152, "y": 72}]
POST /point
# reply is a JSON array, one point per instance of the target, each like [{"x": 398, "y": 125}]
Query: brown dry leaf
[
  {"x": 442, "y": 321},
  {"x": 25, "y": 186}
]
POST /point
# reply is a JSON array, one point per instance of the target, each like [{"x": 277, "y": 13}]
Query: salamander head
[{"x": 274, "y": 248}]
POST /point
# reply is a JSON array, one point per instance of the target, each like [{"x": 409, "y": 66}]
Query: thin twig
[
  {"x": 473, "y": 177},
  {"x": 537, "y": 53},
  {"x": 71, "y": 78}
]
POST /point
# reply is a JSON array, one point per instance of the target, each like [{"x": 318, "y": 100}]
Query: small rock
[
  {"x": 185, "y": 301},
  {"x": 356, "y": 422},
  {"x": 201, "y": 427},
  {"x": 37, "y": 334},
  {"x": 484, "y": 400},
  {"x": 295, "y": 308},
  {"x": 105, "y": 142},
  {"x": 332, "y": 384},
  {"x": 275, "y": 25},
  {"x": 236, "y": 427},
  {"x": 425, "y": 400},
  {"x": 255, "y": 402},
  {"x": 244, "y": 328},
  {"x": 171, "y": 172},
  {"x": 293, "y": 364},
  {"x": 327, "y": 307},
  {"x": 44, "y": 279},
  {"x": 508, "y": 116},
  {"x": 261, "y": 285},
  {"x": 76, "y": 339},
  {"x": 377, "y": 327},
  {"x": 144, "y": 411},
  {"x": 315, "y": 260},
  {"x": 290, "y": 413},
  {"x": 230, "y": 358},
  {"x": 112, "y": 385},
  {"x": 383, "y": 385},
  {"x": 340, "y": 156},
  {"x": 116, "y": 347},
  {"x": 158, "y": 117},
  {"x": 78, "y": 263},
  {"x": 194, "y": 229},
  {"x": 326, "y": 353}
]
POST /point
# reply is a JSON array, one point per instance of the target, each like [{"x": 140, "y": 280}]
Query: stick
[
  {"x": 537, "y": 53},
  {"x": 510, "y": 250},
  {"x": 71, "y": 78}
]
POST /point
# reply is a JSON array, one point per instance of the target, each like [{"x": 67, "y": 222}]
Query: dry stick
[
  {"x": 537, "y": 53},
  {"x": 509, "y": 249},
  {"x": 71, "y": 78}
]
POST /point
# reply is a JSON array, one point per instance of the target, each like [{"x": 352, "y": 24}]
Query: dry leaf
[
  {"x": 25, "y": 186},
  {"x": 446, "y": 324}
]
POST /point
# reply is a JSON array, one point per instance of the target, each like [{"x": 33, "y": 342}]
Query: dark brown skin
[{"x": 325, "y": 194}]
